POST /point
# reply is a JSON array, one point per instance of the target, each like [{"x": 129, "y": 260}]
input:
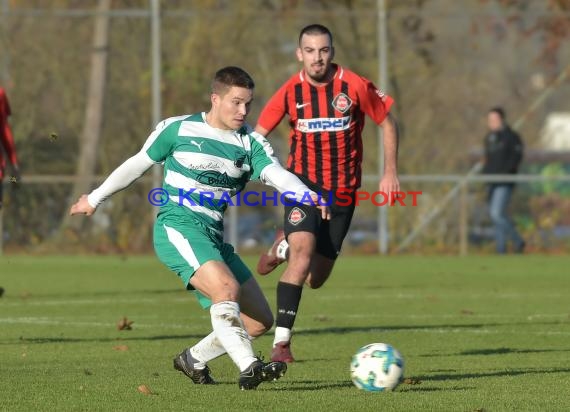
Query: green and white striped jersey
[{"x": 204, "y": 167}]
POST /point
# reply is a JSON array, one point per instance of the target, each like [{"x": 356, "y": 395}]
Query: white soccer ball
[{"x": 377, "y": 367}]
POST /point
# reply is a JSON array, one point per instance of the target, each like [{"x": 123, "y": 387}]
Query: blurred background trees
[{"x": 449, "y": 61}]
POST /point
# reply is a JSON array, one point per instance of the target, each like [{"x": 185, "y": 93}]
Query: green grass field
[{"x": 478, "y": 333}]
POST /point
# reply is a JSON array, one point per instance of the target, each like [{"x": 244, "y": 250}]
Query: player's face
[
  {"x": 494, "y": 121},
  {"x": 229, "y": 110},
  {"x": 316, "y": 54}
]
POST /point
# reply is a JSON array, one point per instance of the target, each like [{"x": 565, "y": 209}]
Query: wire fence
[
  {"x": 540, "y": 208},
  {"x": 445, "y": 62}
]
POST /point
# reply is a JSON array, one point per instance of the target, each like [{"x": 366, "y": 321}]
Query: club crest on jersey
[
  {"x": 342, "y": 102},
  {"x": 381, "y": 95},
  {"x": 296, "y": 216}
]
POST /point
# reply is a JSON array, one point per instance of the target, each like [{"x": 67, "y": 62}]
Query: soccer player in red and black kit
[
  {"x": 6, "y": 142},
  {"x": 326, "y": 104}
]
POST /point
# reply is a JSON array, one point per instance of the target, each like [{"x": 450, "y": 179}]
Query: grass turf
[{"x": 478, "y": 333}]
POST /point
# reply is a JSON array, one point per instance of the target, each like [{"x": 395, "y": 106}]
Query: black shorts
[{"x": 329, "y": 233}]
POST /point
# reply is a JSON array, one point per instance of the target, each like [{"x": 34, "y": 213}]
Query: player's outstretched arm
[
  {"x": 274, "y": 175},
  {"x": 389, "y": 182},
  {"x": 120, "y": 178},
  {"x": 82, "y": 207},
  {"x": 286, "y": 182}
]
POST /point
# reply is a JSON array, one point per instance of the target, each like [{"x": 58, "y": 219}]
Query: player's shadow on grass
[
  {"x": 109, "y": 293},
  {"x": 408, "y": 388},
  {"x": 311, "y": 386},
  {"x": 119, "y": 339},
  {"x": 494, "y": 351},
  {"x": 513, "y": 372},
  {"x": 504, "y": 351},
  {"x": 315, "y": 360},
  {"x": 387, "y": 328}
]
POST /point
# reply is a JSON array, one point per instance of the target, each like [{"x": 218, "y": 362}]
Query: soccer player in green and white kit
[{"x": 213, "y": 154}]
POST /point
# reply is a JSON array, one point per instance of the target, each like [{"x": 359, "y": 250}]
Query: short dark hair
[
  {"x": 315, "y": 29},
  {"x": 499, "y": 110},
  {"x": 231, "y": 76}
]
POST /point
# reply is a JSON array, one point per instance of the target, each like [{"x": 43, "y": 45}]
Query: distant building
[{"x": 555, "y": 135}]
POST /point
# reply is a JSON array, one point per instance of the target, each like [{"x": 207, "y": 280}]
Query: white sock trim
[{"x": 281, "y": 335}]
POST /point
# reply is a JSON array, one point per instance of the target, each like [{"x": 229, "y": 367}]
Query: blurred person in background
[
  {"x": 503, "y": 155},
  {"x": 7, "y": 145}
]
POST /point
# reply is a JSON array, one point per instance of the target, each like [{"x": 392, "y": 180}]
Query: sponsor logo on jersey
[
  {"x": 212, "y": 178},
  {"x": 296, "y": 216},
  {"x": 342, "y": 102},
  {"x": 198, "y": 145},
  {"x": 323, "y": 124},
  {"x": 211, "y": 165}
]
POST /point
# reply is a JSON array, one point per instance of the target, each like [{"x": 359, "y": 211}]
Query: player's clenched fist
[{"x": 82, "y": 207}]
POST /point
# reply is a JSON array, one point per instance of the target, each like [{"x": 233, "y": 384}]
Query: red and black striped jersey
[
  {"x": 6, "y": 138},
  {"x": 326, "y": 125}
]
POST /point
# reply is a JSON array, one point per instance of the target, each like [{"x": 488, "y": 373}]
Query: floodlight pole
[
  {"x": 383, "y": 84},
  {"x": 156, "y": 65},
  {"x": 4, "y": 78}
]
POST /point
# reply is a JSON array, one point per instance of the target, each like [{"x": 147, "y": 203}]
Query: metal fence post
[
  {"x": 383, "y": 241},
  {"x": 463, "y": 220}
]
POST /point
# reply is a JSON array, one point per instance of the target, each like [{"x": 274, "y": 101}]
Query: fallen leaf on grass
[
  {"x": 87, "y": 372},
  {"x": 467, "y": 312},
  {"x": 144, "y": 389},
  {"x": 321, "y": 318},
  {"x": 412, "y": 381},
  {"x": 125, "y": 324},
  {"x": 25, "y": 294},
  {"x": 121, "y": 348}
]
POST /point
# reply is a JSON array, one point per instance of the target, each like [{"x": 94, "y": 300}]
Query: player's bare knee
[
  {"x": 227, "y": 291},
  {"x": 299, "y": 251}
]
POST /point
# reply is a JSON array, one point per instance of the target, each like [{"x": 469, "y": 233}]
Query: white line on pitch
[
  {"x": 56, "y": 322},
  {"x": 435, "y": 295},
  {"x": 105, "y": 301}
]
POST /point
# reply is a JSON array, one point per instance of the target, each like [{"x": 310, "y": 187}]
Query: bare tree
[{"x": 89, "y": 139}]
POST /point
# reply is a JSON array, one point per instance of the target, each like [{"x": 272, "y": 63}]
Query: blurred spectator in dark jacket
[{"x": 503, "y": 155}]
